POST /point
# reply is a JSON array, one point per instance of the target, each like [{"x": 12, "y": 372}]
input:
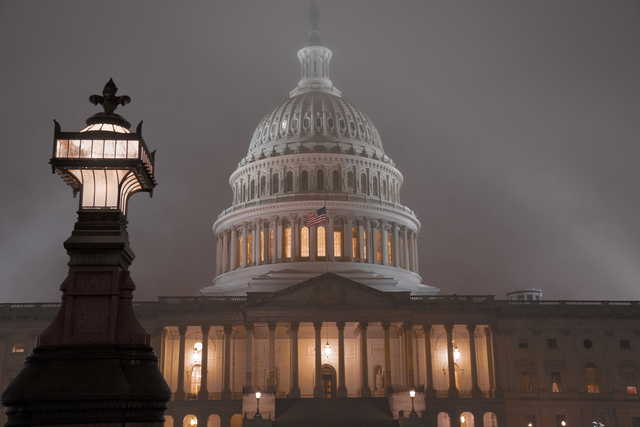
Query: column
[
  {"x": 494, "y": 350},
  {"x": 489, "y": 348},
  {"x": 342, "y": 387},
  {"x": 226, "y": 377},
  {"x": 362, "y": 248},
  {"x": 203, "y": 393},
  {"x": 478, "y": 418},
  {"x": 313, "y": 242},
  {"x": 348, "y": 239},
  {"x": 385, "y": 238},
  {"x": 157, "y": 339},
  {"x": 257, "y": 227},
  {"x": 317, "y": 389},
  {"x": 234, "y": 249},
  {"x": 408, "y": 351},
  {"x": 243, "y": 249},
  {"x": 475, "y": 389},
  {"x": 370, "y": 243},
  {"x": 182, "y": 330},
  {"x": 405, "y": 248},
  {"x": 330, "y": 254},
  {"x": 429, "y": 390},
  {"x": 416, "y": 260},
  {"x": 296, "y": 238},
  {"x": 225, "y": 251},
  {"x": 453, "y": 388},
  {"x": 273, "y": 251},
  {"x": 394, "y": 245},
  {"x": 295, "y": 382},
  {"x": 366, "y": 392},
  {"x": 279, "y": 236},
  {"x": 387, "y": 356},
  {"x": 248, "y": 382},
  {"x": 271, "y": 382}
]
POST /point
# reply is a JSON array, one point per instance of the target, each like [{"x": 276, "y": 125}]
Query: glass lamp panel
[
  {"x": 85, "y": 148},
  {"x": 132, "y": 150},
  {"x": 62, "y": 148},
  {"x": 112, "y": 188},
  {"x": 100, "y": 189},
  {"x": 109, "y": 149},
  {"x": 74, "y": 148},
  {"x": 88, "y": 187},
  {"x": 121, "y": 149}
]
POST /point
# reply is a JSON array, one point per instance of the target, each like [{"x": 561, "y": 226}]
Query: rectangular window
[
  {"x": 552, "y": 343},
  {"x": 304, "y": 242},
  {"x": 17, "y": 348},
  {"x": 262, "y": 247},
  {"x": 390, "y": 253},
  {"x": 337, "y": 244},
  {"x": 355, "y": 244},
  {"x": 249, "y": 249},
  {"x": 556, "y": 382},
  {"x": 523, "y": 344},
  {"x": 286, "y": 242},
  {"x": 321, "y": 234},
  {"x": 378, "y": 246},
  {"x": 632, "y": 390}
]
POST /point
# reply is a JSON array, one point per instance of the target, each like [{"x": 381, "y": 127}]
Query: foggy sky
[{"x": 515, "y": 124}]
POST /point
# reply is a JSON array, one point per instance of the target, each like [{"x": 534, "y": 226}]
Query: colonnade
[
  {"x": 415, "y": 348},
  {"x": 287, "y": 239}
]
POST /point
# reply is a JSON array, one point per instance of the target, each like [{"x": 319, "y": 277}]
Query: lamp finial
[{"x": 108, "y": 99}]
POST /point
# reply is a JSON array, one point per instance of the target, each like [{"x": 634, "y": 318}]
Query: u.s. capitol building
[{"x": 328, "y": 316}]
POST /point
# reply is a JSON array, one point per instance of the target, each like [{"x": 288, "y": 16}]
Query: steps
[{"x": 356, "y": 412}]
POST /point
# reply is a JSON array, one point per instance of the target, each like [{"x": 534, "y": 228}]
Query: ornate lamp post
[
  {"x": 258, "y": 396},
  {"x": 93, "y": 365},
  {"x": 412, "y": 395}
]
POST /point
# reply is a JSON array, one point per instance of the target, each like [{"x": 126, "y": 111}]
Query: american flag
[{"x": 315, "y": 218}]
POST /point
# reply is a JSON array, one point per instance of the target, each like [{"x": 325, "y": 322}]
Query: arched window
[
  {"x": 275, "y": 184},
  {"x": 321, "y": 238},
  {"x": 490, "y": 419},
  {"x": 263, "y": 185},
  {"x": 390, "y": 253},
  {"x": 592, "y": 378},
  {"x": 288, "y": 182},
  {"x": 168, "y": 421},
  {"x": 190, "y": 421},
  {"x": 236, "y": 420},
  {"x": 287, "y": 241},
  {"x": 444, "y": 420},
  {"x": 337, "y": 183},
  {"x": 375, "y": 186},
  {"x": 304, "y": 242},
  {"x": 263, "y": 246},
  {"x": 364, "y": 184},
  {"x": 467, "y": 420},
  {"x": 320, "y": 180},
  {"x": 304, "y": 181},
  {"x": 214, "y": 421}
]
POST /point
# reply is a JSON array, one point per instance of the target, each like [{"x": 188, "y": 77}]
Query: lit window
[
  {"x": 632, "y": 390},
  {"x": 322, "y": 241},
  {"x": 389, "y": 248},
  {"x": 355, "y": 246},
  {"x": 262, "y": 247},
  {"x": 249, "y": 249},
  {"x": 365, "y": 244},
  {"x": 378, "y": 243},
  {"x": 17, "y": 348},
  {"x": 304, "y": 242},
  {"x": 591, "y": 377},
  {"x": 287, "y": 242},
  {"x": 337, "y": 244},
  {"x": 556, "y": 382}
]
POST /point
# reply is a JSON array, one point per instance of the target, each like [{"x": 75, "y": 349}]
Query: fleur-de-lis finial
[{"x": 108, "y": 99}]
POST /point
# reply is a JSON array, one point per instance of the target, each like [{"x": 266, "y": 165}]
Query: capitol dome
[{"x": 316, "y": 155}]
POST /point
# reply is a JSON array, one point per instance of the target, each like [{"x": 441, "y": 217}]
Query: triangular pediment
[{"x": 328, "y": 290}]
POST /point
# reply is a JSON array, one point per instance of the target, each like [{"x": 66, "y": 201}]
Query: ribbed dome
[{"x": 315, "y": 116}]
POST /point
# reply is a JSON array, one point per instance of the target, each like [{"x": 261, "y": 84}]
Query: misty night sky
[{"x": 515, "y": 124}]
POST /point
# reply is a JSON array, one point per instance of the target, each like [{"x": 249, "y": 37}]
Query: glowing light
[
  {"x": 563, "y": 423},
  {"x": 456, "y": 354},
  {"x": 327, "y": 350},
  {"x": 462, "y": 419},
  {"x": 197, "y": 346},
  {"x": 412, "y": 393},
  {"x": 258, "y": 395},
  {"x": 530, "y": 424},
  {"x": 193, "y": 421}
]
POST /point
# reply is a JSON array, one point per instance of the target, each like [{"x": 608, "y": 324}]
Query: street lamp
[
  {"x": 412, "y": 395},
  {"x": 258, "y": 396}
]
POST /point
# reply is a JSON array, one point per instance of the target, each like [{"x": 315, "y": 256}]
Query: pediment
[{"x": 328, "y": 290}]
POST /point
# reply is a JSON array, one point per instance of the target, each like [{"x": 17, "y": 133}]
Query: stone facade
[{"x": 492, "y": 362}]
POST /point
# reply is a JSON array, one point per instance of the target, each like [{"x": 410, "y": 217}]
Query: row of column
[
  {"x": 342, "y": 389},
  {"x": 266, "y": 242}
]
